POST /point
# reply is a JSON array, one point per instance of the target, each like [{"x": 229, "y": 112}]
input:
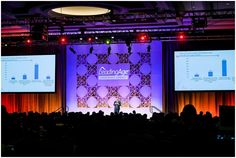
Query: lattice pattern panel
[{"x": 137, "y": 94}]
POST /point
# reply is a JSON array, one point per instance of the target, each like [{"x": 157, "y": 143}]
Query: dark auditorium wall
[
  {"x": 203, "y": 101},
  {"x": 37, "y": 102}
]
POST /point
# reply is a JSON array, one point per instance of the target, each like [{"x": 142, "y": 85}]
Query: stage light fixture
[
  {"x": 149, "y": 48},
  {"x": 181, "y": 36},
  {"x": 143, "y": 37},
  {"x": 90, "y": 40},
  {"x": 129, "y": 49},
  {"x": 28, "y": 41},
  {"x": 91, "y": 50},
  {"x": 109, "y": 50},
  {"x": 72, "y": 50},
  {"x": 63, "y": 40},
  {"x": 128, "y": 44},
  {"x": 108, "y": 41}
]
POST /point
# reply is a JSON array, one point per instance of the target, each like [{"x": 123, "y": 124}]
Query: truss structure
[{"x": 159, "y": 24}]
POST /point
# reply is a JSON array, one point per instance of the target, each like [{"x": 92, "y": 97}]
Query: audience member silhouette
[{"x": 189, "y": 113}]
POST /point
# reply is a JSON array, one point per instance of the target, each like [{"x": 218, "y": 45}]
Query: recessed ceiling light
[{"x": 81, "y": 10}]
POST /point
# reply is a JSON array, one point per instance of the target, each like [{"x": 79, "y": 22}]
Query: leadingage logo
[{"x": 113, "y": 73}]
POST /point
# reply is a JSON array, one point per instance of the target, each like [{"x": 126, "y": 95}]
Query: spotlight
[
  {"x": 181, "y": 36},
  {"x": 143, "y": 37},
  {"x": 80, "y": 38},
  {"x": 96, "y": 37},
  {"x": 91, "y": 50},
  {"x": 63, "y": 40},
  {"x": 44, "y": 37},
  {"x": 108, "y": 41},
  {"x": 90, "y": 40},
  {"x": 28, "y": 41}
]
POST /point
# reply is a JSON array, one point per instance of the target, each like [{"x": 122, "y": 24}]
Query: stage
[{"x": 99, "y": 74}]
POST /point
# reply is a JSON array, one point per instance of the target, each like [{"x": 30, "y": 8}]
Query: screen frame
[
  {"x": 178, "y": 50},
  {"x": 38, "y": 54}
]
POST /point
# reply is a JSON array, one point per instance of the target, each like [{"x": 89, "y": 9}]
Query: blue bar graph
[
  {"x": 48, "y": 77},
  {"x": 13, "y": 78},
  {"x": 24, "y": 77},
  {"x": 210, "y": 73},
  {"x": 224, "y": 68},
  {"x": 196, "y": 75},
  {"x": 36, "y": 71}
]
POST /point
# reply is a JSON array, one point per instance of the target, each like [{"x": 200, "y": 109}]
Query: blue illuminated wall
[{"x": 142, "y": 89}]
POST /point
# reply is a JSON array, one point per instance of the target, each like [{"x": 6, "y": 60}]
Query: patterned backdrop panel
[{"x": 136, "y": 94}]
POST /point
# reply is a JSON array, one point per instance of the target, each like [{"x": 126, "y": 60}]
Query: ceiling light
[{"x": 81, "y": 10}]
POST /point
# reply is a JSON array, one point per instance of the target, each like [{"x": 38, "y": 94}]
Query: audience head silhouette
[{"x": 189, "y": 112}]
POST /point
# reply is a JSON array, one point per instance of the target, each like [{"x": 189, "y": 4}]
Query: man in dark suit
[{"x": 117, "y": 105}]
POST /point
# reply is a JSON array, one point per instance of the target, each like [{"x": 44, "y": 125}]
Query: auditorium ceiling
[{"x": 159, "y": 18}]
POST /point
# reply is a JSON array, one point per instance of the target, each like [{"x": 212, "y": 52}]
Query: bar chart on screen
[
  {"x": 28, "y": 73},
  {"x": 204, "y": 70}
]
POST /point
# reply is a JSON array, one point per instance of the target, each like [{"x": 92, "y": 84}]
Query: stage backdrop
[{"x": 96, "y": 77}]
